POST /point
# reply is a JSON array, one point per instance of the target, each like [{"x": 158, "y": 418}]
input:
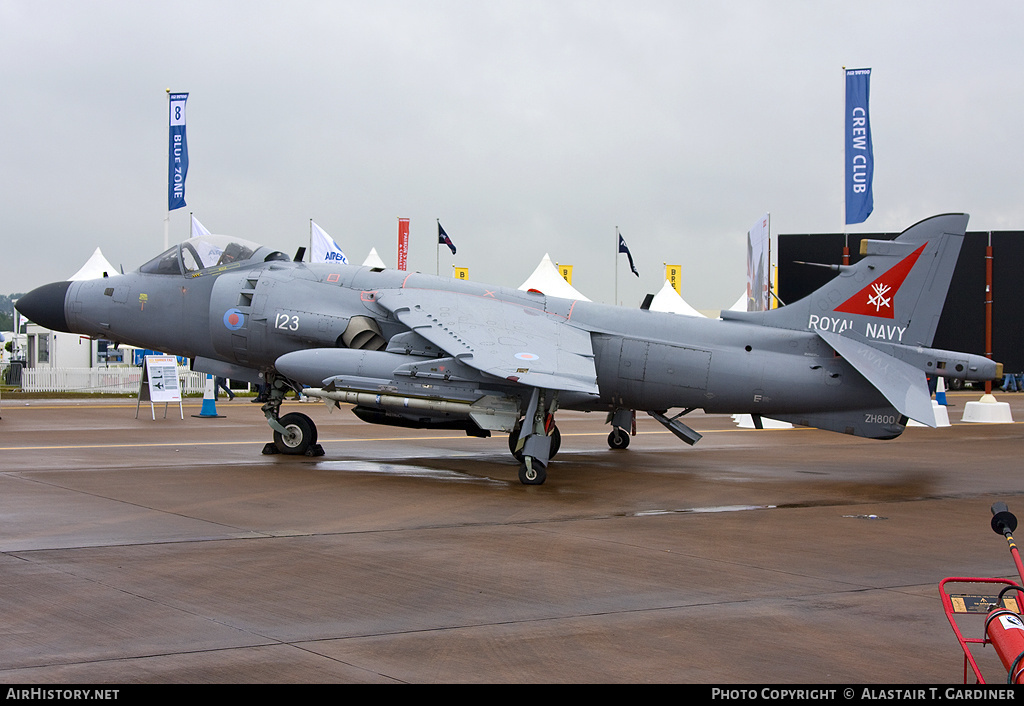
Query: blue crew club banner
[
  {"x": 177, "y": 151},
  {"x": 860, "y": 159}
]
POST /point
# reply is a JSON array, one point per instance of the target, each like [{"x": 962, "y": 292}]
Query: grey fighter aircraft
[{"x": 415, "y": 350}]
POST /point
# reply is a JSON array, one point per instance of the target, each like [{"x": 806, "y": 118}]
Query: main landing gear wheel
[
  {"x": 513, "y": 439},
  {"x": 618, "y": 439},
  {"x": 301, "y": 436},
  {"x": 532, "y": 474}
]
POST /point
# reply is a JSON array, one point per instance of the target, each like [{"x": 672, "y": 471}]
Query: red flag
[{"x": 403, "y": 242}]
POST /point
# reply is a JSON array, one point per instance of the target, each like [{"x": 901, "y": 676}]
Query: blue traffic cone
[
  {"x": 940, "y": 392},
  {"x": 209, "y": 408}
]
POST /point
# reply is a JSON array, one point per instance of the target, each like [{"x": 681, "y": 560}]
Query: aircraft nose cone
[{"x": 45, "y": 306}]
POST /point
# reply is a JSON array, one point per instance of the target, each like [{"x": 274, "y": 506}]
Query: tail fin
[
  {"x": 894, "y": 294},
  {"x": 880, "y": 315}
]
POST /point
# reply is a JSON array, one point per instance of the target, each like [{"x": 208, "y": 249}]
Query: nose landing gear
[{"x": 294, "y": 433}]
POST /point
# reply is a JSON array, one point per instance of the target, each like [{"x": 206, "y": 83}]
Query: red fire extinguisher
[{"x": 1005, "y": 628}]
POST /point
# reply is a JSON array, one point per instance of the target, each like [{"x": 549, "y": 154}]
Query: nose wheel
[
  {"x": 294, "y": 433},
  {"x": 299, "y": 435}
]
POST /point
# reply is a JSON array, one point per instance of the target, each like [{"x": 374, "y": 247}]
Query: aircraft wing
[
  {"x": 903, "y": 385},
  {"x": 510, "y": 341}
]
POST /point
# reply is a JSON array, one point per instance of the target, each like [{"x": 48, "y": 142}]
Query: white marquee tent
[
  {"x": 669, "y": 300},
  {"x": 94, "y": 268},
  {"x": 373, "y": 260},
  {"x": 547, "y": 280}
]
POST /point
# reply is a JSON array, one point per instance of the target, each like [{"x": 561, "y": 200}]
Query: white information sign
[
  {"x": 159, "y": 383},
  {"x": 162, "y": 373}
]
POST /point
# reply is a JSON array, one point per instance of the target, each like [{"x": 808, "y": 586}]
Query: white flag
[
  {"x": 198, "y": 228},
  {"x": 323, "y": 248}
]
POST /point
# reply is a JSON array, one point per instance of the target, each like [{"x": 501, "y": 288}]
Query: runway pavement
[{"x": 172, "y": 551}]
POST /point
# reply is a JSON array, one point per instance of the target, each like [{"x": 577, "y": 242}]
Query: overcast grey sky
[{"x": 526, "y": 127}]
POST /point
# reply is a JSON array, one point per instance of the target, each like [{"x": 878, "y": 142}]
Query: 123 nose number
[{"x": 286, "y": 322}]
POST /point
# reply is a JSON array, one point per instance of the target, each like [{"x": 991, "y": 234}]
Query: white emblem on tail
[{"x": 879, "y": 300}]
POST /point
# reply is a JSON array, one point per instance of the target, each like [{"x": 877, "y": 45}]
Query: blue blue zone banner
[
  {"x": 177, "y": 151},
  {"x": 860, "y": 159}
]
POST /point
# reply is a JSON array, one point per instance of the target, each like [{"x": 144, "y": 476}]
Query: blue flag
[
  {"x": 623, "y": 248},
  {"x": 177, "y": 151},
  {"x": 443, "y": 239},
  {"x": 860, "y": 159}
]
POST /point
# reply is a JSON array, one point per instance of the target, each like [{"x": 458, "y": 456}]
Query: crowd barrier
[{"x": 109, "y": 380}]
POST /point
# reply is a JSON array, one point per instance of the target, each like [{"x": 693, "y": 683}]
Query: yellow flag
[
  {"x": 566, "y": 272},
  {"x": 672, "y": 274},
  {"x": 460, "y": 272}
]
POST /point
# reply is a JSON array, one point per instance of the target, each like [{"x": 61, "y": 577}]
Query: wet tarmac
[{"x": 169, "y": 550}]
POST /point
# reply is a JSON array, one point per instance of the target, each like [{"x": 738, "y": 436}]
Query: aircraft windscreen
[
  {"x": 166, "y": 263},
  {"x": 214, "y": 251},
  {"x": 200, "y": 253}
]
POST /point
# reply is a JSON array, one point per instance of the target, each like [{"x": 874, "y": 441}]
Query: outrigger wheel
[{"x": 618, "y": 439}]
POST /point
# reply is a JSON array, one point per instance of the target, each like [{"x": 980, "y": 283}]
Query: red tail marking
[{"x": 877, "y": 299}]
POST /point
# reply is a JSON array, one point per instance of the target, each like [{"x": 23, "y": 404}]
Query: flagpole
[
  {"x": 616, "y": 301},
  {"x": 437, "y": 252},
  {"x": 842, "y": 207},
  {"x": 988, "y": 307},
  {"x": 771, "y": 279}
]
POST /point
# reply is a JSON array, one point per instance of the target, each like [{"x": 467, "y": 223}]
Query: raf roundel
[
  {"x": 527, "y": 356},
  {"x": 234, "y": 319}
]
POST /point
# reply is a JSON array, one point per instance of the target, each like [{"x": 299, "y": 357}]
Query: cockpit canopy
[{"x": 208, "y": 251}]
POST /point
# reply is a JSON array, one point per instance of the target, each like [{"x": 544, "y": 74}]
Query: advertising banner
[
  {"x": 758, "y": 266},
  {"x": 860, "y": 159},
  {"x": 672, "y": 274},
  {"x": 403, "y": 243},
  {"x": 177, "y": 151}
]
